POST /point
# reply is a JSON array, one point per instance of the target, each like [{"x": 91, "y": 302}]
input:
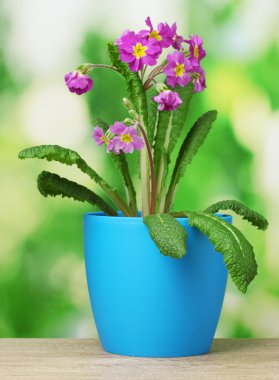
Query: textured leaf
[
  {"x": 121, "y": 164},
  {"x": 194, "y": 139},
  {"x": 134, "y": 84},
  {"x": 153, "y": 114},
  {"x": 180, "y": 214},
  {"x": 228, "y": 240},
  {"x": 169, "y": 128},
  {"x": 168, "y": 234},
  {"x": 170, "y": 125},
  {"x": 70, "y": 157},
  {"x": 62, "y": 155},
  {"x": 53, "y": 185},
  {"x": 239, "y": 208}
]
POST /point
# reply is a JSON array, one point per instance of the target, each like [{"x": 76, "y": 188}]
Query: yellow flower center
[
  {"x": 196, "y": 51},
  {"x": 105, "y": 139},
  {"x": 139, "y": 50},
  {"x": 179, "y": 69},
  {"x": 126, "y": 138},
  {"x": 155, "y": 34}
]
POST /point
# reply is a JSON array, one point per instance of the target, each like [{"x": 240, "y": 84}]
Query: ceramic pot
[{"x": 144, "y": 303}]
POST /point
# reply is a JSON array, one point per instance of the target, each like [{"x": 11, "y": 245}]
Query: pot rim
[{"x": 136, "y": 219}]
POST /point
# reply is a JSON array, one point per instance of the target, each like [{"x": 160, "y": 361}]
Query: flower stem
[
  {"x": 151, "y": 164},
  {"x": 157, "y": 71},
  {"x": 101, "y": 66}
]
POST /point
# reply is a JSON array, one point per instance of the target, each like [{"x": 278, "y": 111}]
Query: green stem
[
  {"x": 151, "y": 165},
  {"x": 145, "y": 181},
  {"x": 154, "y": 73},
  {"x": 162, "y": 175},
  {"x": 112, "y": 193},
  {"x": 117, "y": 199},
  {"x": 130, "y": 190},
  {"x": 170, "y": 197}
]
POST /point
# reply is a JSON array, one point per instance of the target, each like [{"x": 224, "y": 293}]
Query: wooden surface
[{"x": 84, "y": 359}]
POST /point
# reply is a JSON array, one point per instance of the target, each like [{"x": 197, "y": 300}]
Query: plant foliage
[
  {"x": 168, "y": 234},
  {"x": 239, "y": 208},
  {"x": 70, "y": 157},
  {"x": 238, "y": 253},
  {"x": 53, "y": 185},
  {"x": 190, "y": 146}
]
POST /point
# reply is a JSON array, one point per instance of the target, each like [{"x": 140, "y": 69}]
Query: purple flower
[
  {"x": 127, "y": 139},
  {"x": 163, "y": 35},
  {"x": 137, "y": 50},
  {"x": 100, "y": 139},
  {"x": 197, "y": 53},
  {"x": 177, "y": 69},
  {"x": 198, "y": 78},
  {"x": 177, "y": 40},
  {"x": 168, "y": 100},
  {"x": 117, "y": 128},
  {"x": 78, "y": 82}
]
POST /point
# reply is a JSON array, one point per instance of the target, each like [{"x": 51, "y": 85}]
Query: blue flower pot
[{"x": 147, "y": 304}]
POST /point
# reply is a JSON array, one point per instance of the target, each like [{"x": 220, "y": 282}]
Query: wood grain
[{"x": 84, "y": 359}]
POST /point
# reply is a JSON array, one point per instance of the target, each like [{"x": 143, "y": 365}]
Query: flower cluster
[
  {"x": 145, "y": 48},
  {"x": 141, "y": 50},
  {"x": 119, "y": 137}
]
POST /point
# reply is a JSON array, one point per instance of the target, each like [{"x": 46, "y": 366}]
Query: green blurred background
[{"x": 42, "y": 278}]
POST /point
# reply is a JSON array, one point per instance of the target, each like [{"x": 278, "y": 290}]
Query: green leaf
[
  {"x": 170, "y": 125},
  {"x": 121, "y": 164},
  {"x": 70, "y": 157},
  {"x": 167, "y": 233},
  {"x": 190, "y": 146},
  {"x": 238, "y": 253},
  {"x": 62, "y": 155},
  {"x": 168, "y": 131},
  {"x": 239, "y": 208},
  {"x": 153, "y": 114},
  {"x": 53, "y": 185},
  {"x": 180, "y": 214},
  {"x": 134, "y": 84}
]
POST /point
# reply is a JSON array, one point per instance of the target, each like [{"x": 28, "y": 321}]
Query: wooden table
[{"x": 84, "y": 359}]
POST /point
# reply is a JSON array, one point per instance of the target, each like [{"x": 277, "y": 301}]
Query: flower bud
[
  {"x": 128, "y": 121},
  {"x": 133, "y": 114},
  {"x": 128, "y": 104}
]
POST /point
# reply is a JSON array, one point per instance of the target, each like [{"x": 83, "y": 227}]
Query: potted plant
[{"x": 156, "y": 276}]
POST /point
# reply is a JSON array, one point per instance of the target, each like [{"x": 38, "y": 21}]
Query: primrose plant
[{"x": 160, "y": 88}]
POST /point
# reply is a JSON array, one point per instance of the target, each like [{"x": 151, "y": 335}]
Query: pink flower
[
  {"x": 198, "y": 78},
  {"x": 100, "y": 139},
  {"x": 137, "y": 50},
  {"x": 78, "y": 83},
  {"x": 177, "y": 40},
  {"x": 127, "y": 138},
  {"x": 163, "y": 35},
  {"x": 197, "y": 53},
  {"x": 168, "y": 100},
  {"x": 177, "y": 69}
]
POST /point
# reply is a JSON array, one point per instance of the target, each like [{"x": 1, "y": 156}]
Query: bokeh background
[{"x": 42, "y": 278}]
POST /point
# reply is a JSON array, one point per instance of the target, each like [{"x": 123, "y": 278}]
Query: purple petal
[
  {"x": 117, "y": 128},
  {"x": 171, "y": 81},
  {"x": 149, "y": 23}
]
